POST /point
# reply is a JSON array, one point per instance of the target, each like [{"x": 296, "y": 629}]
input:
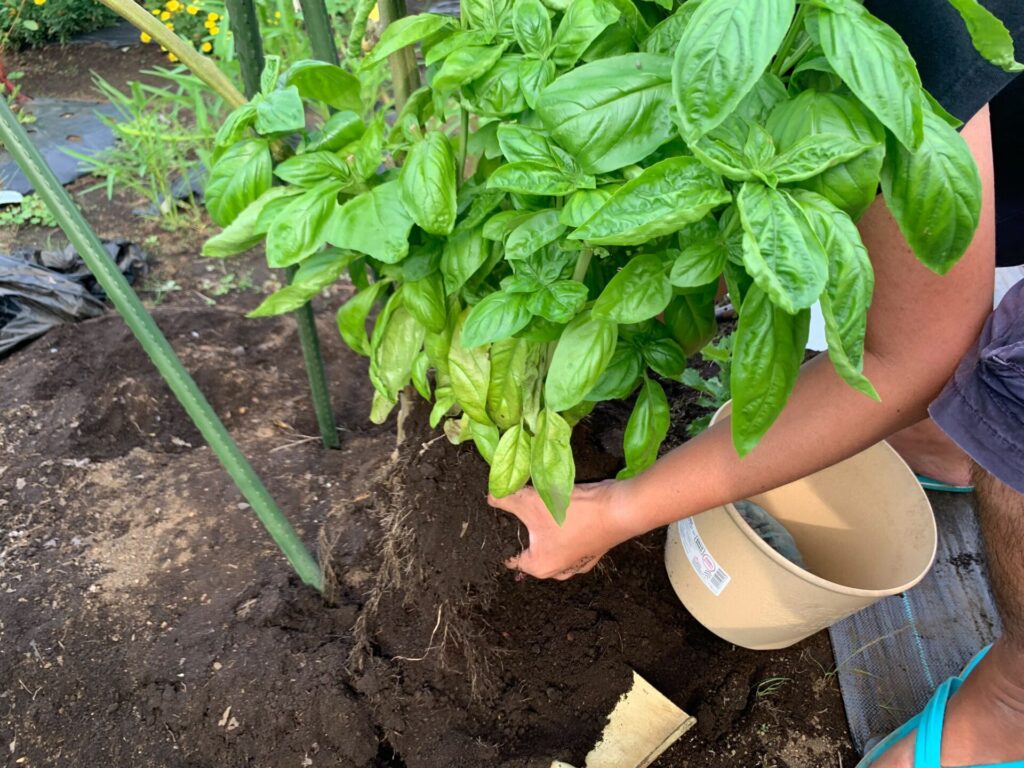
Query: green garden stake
[
  {"x": 157, "y": 347},
  {"x": 320, "y": 31},
  {"x": 249, "y": 48}
]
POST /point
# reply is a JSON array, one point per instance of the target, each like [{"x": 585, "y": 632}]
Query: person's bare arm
[{"x": 919, "y": 326}]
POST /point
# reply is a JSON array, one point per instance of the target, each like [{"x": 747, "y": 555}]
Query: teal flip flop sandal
[
  {"x": 931, "y": 484},
  {"x": 928, "y": 744}
]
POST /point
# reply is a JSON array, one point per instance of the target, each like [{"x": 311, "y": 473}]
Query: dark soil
[{"x": 148, "y": 620}]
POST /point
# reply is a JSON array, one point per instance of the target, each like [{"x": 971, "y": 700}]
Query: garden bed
[{"x": 149, "y": 621}]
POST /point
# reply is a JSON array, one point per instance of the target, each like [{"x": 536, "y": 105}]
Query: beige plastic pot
[{"x": 865, "y": 530}]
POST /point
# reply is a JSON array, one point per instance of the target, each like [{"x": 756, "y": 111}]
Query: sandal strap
[{"x": 928, "y": 745}]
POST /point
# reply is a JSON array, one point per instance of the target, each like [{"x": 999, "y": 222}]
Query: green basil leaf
[
  {"x": 665, "y": 357},
  {"x": 485, "y": 437},
  {"x": 534, "y": 178},
  {"x": 723, "y": 52},
  {"x": 583, "y": 21},
  {"x": 659, "y": 201},
  {"x": 428, "y": 184},
  {"x": 534, "y": 76},
  {"x": 639, "y": 292},
  {"x": 364, "y": 154},
  {"x": 646, "y": 429},
  {"x": 632, "y": 19},
  {"x": 874, "y": 62},
  {"x": 463, "y": 255},
  {"x": 990, "y": 36},
  {"x": 470, "y": 371},
  {"x": 406, "y": 31},
  {"x": 312, "y": 168},
  {"x": 444, "y": 401},
  {"x": 934, "y": 193},
  {"x": 620, "y": 377},
  {"x": 280, "y": 112},
  {"x": 690, "y": 317},
  {"x": 425, "y": 299},
  {"x": 235, "y": 125},
  {"x": 779, "y": 251},
  {"x": 484, "y": 201},
  {"x": 611, "y": 113},
  {"x": 352, "y": 317},
  {"x": 521, "y": 144},
  {"x": 665, "y": 36},
  {"x": 501, "y": 224},
  {"x": 271, "y": 74},
  {"x": 541, "y": 228},
  {"x": 510, "y": 469},
  {"x": 396, "y": 343},
  {"x": 341, "y": 128},
  {"x": 492, "y": 15},
  {"x": 438, "y": 345},
  {"x": 243, "y": 232},
  {"x": 852, "y": 185},
  {"x": 698, "y": 264},
  {"x": 457, "y": 40},
  {"x": 497, "y": 92},
  {"x": 767, "y": 355},
  {"x": 315, "y": 274},
  {"x": 511, "y": 360},
  {"x": 722, "y": 157},
  {"x": 847, "y": 295},
  {"x": 465, "y": 65},
  {"x": 375, "y": 223},
  {"x": 381, "y": 408},
  {"x": 420, "y": 380},
  {"x": 815, "y": 154},
  {"x": 532, "y": 25},
  {"x": 552, "y": 467},
  {"x": 558, "y": 302},
  {"x": 240, "y": 176},
  {"x": 499, "y": 316},
  {"x": 583, "y": 204},
  {"x": 581, "y": 355},
  {"x": 326, "y": 83}
]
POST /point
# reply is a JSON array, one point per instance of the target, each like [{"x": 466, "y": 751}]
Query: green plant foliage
[
  {"x": 33, "y": 23},
  {"x": 620, "y": 163}
]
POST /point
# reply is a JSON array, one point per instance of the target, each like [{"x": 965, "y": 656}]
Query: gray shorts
[{"x": 982, "y": 406}]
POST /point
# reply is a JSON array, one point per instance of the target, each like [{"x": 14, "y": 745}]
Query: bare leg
[
  {"x": 928, "y": 451},
  {"x": 985, "y": 718}
]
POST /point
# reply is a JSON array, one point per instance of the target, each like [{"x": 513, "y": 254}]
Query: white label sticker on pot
[{"x": 705, "y": 566}]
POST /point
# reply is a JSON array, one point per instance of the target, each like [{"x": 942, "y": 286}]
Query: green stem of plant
[
  {"x": 778, "y": 66},
  {"x": 320, "y": 31},
  {"x": 582, "y": 264},
  {"x": 248, "y": 43},
  {"x": 202, "y": 66},
  {"x": 249, "y": 47},
  {"x": 405, "y": 73},
  {"x": 463, "y": 143},
  {"x": 157, "y": 347}
]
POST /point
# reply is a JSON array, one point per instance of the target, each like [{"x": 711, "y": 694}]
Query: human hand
[{"x": 594, "y": 523}]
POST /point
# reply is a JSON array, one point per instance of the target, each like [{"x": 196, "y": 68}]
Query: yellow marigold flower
[
  {"x": 213, "y": 17},
  {"x": 191, "y": 10},
  {"x": 164, "y": 16},
  {"x": 277, "y": 14},
  {"x": 207, "y": 47},
  {"x": 144, "y": 37},
  {"x": 172, "y": 5},
  {"x": 39, "y": 2},
  {"x": 172, "y": 58},
  {"x": 374, "y": 14},
  {"x": 214, "y": 31},
  {"x": 156, "y": 11},
  {"x": 170, "y": 26}
]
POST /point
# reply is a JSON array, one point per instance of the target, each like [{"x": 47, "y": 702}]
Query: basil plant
[{"x": 546, "y": 223}]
